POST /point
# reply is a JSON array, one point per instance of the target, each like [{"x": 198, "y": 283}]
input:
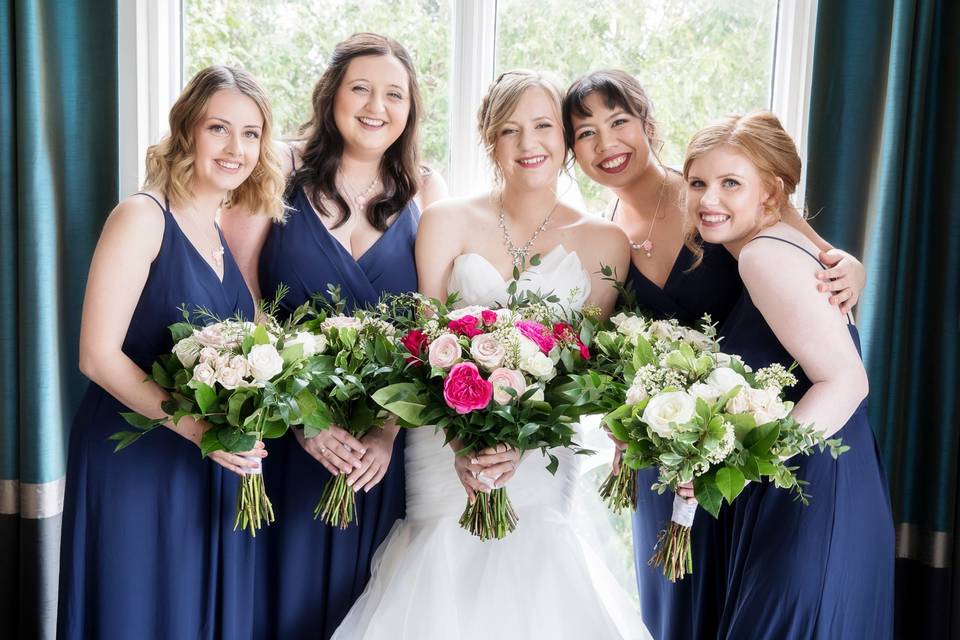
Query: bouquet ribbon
[{"x": 683, "y": 512}]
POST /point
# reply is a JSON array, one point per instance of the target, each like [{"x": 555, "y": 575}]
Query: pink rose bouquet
[{"x": 487, "y": 377}]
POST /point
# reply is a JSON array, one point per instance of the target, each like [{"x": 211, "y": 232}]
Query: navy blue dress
[
  {"x": 689, "y": 608},
  {"x": 148, "y": 547},
  {"x": 820, "y": 571},
  {"x": 311, "y": 573}
]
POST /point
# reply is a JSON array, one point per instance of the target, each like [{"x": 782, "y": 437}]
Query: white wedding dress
[{"x": 431, "y": 580}]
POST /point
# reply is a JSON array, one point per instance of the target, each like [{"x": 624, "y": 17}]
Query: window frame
[{"x": 150, "y": 59}]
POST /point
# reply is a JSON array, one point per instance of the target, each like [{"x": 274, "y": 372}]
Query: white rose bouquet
[
  {"x": 248, "y": 381},
  {"x": 486, "y": 377},
  {"x": 699, "y": 416}
]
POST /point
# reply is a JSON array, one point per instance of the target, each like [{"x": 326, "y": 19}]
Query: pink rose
[
  {"x": 487, "y": 351},
  {"x": 503, "y": 379},
  {"x": 211, "y": 335},
  {"x": 537, "y": 333},
  {"x": 465, "y": 326},
  {"x": 489, "y": 317},
  {"x": 465, "y": 390},
  {"x": 445, "y": 351}
]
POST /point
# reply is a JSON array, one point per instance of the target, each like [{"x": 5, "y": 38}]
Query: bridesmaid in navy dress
[
  {"x": 148, "y": 550},
  {"x": 609, "y": 125},
  {"x": 352, "y": 223},
  {"x": 794, "y": 572}
]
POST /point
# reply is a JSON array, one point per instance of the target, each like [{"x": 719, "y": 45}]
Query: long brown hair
[
  {"x": 323, "y": 148},
  {"x": 170, "y": 162}
]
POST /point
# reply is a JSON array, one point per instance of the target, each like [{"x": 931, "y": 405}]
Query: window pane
[
  {"x": 286, "y": 46},
  {"x": 696, "y": 60}
]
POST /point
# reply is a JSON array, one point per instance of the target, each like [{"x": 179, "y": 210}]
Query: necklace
[
  {"x": 647, "y": 245},
  {"x": 519, "y": 254},
  {"x": 216, "y": 253},
  {"x": 359, "y": 197}
]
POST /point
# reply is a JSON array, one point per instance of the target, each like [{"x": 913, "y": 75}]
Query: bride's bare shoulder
[{"x": 455, "y": 211}]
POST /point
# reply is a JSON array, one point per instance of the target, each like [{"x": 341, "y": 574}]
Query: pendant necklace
[
  {"x": 216, "y": 253},
  {"x": 519, "y": 254},
  {"x": 647, "y": 245},
  {"x": 359, "y": 198}
]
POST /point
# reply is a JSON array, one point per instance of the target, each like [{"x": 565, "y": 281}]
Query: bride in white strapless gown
[{"x": 433, "y": 580}]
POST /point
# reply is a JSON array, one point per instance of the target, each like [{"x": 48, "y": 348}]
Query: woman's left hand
[
  {"x": 375, "y": 462},
  {"x": 499, "y": 463},
  {"x": 844, "y": 278}
]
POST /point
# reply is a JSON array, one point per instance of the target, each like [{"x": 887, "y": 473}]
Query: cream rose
[
  {"x": 209, "y": 355},
  {"x": 341, "y": 322},
  {"x": 699, "y": 339},
  {"x": 211, "y": 336},
  {"x": 630, "y": 326},
  {"x": 204, "y": 373},
  {"x": 538, "y": 365},
  {"x": 240, "y": 365},
  {"x": 265, "y": 361},
  {"x": 187, "y": 351},
  {"x": 487, "y": 351},
  {"x": 723, "y": 379},
  {"x": 667, "y": 410},
  {"x": 229, "y": 378},
  {"x": 636, "y": 393},
  {"x": 444, "y": 352},
  {"x": 706, "y": 392},
  {"x": 310, "y": 342},
  {"x": 504, "y": 378},
  {"x": 663, "y": 329},
  {"x": 472, "y": 310}
]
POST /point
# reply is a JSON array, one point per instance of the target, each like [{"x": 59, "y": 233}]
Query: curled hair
[
  {"x": 760, "y": 138},
  {"x": 170, "y": 162},
  {"x": 501, "y": 101},
  {"x": 618, "y": 89},
  {"x": 323, "y": 146}
]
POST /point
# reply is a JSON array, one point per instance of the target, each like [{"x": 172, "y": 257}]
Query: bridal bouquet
[
  {"x": 698, "y": 415},
  {"x": 358, "y": 360},
  {"x": 248, "y": 381},
  {"x": 486, "y": 376}
]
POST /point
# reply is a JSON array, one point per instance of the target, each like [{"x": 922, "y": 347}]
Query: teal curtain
[
  {"x": 884, "y": 161},
  {"x": 58, "y": 179}
]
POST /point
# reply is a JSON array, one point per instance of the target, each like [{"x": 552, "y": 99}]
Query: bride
[{"x": 430, "y": 578}]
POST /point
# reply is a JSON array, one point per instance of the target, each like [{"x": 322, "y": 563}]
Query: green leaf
[
  {"x": 206, "y": 397},
  {"x": 730, "y": 482},
  {"x": 181, "y": 330},
  {"x": 160, "y": 376},
  {"x": 141, "y": 422},
  {"x": 528, "y": 430},
  {"x": 235, "y": 405},
  {"x": 670, "y": 459},
  {"x": 553, "y": 464},
  {"x": 228, "y": 438},
  {"x": 759, "y": 440},
  {"x": 273, "y": 429},
  {"x": 643, "y": 353},
  {"x": 210, "y": 442},
  {"x": 707, "y": 494},
  {"x": 535, "y": 260},
  {"x": 260, "y": 335},
  {"x": 291, "y": 354},
  {"x": 248, "y": 343}
]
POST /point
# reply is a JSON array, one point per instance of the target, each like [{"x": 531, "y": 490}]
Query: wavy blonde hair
[
  {"x": 170, "y": 162},
  {"x": 760, "y": 138},
  {"x": 502, "y": 99}
]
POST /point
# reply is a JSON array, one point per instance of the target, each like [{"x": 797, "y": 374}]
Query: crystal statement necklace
[{"x": 519, "y": 254}]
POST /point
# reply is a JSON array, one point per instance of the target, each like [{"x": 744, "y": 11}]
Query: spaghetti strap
[
  {"x": 162, "y": 208},
  {"x": 293, "y": 159},
  {"x": 823, "y": 266}
]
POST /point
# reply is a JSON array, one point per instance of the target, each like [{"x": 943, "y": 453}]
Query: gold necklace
[{"x": 647, "y": 245}]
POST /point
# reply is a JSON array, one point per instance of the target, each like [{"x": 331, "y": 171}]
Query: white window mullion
[
  {"x": 793, "y": 73},
  {"x": 471, "y": 72},
  {"x": 149, "y": 80}
]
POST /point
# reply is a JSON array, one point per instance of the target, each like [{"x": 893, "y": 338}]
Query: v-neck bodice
[
  {"x": 713, "y": 287},
  {"x": 180, "y": 276},
  {"x": 302, "y": 254}
]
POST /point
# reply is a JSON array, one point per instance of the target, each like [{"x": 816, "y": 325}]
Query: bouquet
[
  {"x": 358, "y": 360},
  {"x": 248, "y": 381},
  {"x": 698, "y": 415},
  {"x": 486, "y": 376}
]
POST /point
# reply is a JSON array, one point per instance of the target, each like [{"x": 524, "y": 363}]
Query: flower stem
[
  {"x": 490, "y": 517},
  {"x": 619, "y": 491},
  {"x": 673, "y": 552},
  {"x": 337, "y": 504}
]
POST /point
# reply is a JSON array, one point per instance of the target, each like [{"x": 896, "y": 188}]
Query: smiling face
[
  {"x": 372, "y": 104},
  {"x": 226, "y": 141},
  {"x": 529, "y": 148},
  {"x": 611, "y": 145},
  {"x": 725, "y": 197}
]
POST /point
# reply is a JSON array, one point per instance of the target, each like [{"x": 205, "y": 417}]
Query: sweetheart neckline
[{"x": 526, "y": 270}]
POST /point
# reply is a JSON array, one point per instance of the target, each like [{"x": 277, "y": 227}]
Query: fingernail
[
  {"x": 473, "y": 461},
  {"x": 356, "y": 465}
]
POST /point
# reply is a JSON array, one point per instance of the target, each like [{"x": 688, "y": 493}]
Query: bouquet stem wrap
[{"x": 673, "y": 553}]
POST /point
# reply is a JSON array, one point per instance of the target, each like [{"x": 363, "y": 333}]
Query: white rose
[
  {"x": 240, "y": 365},
  {"x": 698, "y": 339},
  {"x": 723, "y": 379},
  {"x": 504, "y": 317},
  {"x": 187, "y": 351},
  {"x": 722, "y": 359},
  {"x": 667, "y": 410},
  {"x": 537, "y": 395},
  {"x": 229, "y": 378},
  {"x": 341, "y": 322},
  {"x": 706, "y": 392},
  {"x": 444, "y": 352},
  {"x": 663, "y": 329},
  {"x": 538, "y": 365},
  {"x": 204, "y": 373},
  {"x": 265, "y": 361},
  {"x": 636, "y": 393},
  {"x": 472, "y": 310},
  {"x": 487, "y": 351},
  {"x": 739, "y": 403},
  {"x": 630, "y": 326},
  {"x": 528, "y": 348},
  {"x": 211, "y": 336},
  {"x": 307, "y": 340},
  {"x": 502, "y": 379},
  {"x": 209, "y": 355}
]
